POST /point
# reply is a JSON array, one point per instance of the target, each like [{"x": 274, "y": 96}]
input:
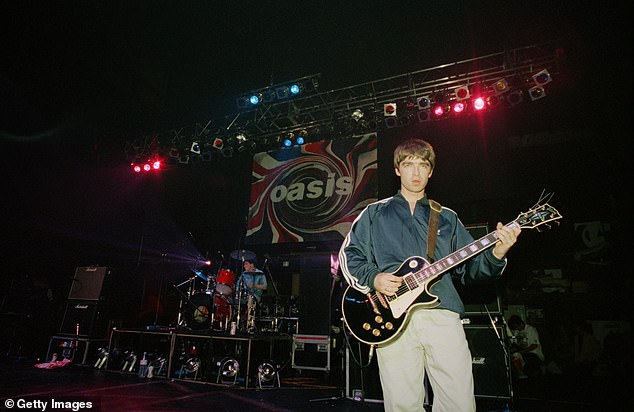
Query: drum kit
[{"x": 222, "y": 305}]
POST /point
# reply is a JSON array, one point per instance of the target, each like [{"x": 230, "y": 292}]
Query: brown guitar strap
[{"x": 432, "y": 231}]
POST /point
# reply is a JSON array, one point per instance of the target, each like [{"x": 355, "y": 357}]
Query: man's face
[
  {"x": 248, "y": 266},
  {"x": 414, "y": 173}
]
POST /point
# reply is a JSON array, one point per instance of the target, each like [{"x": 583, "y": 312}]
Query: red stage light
[
  {"x": 147, "y": 167},
  {"x": 156, "y": 165},
  {"x": 136, "y": 168},
  {"x": 439, "y": 111}
]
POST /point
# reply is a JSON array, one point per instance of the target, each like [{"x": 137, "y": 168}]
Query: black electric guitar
[{"x": 375, "y": 318}]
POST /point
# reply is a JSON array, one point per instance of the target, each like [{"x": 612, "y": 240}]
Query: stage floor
[{"x": 311, "y": 390}]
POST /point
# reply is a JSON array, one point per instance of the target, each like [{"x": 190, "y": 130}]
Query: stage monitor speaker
[
  {"x": 491, "y": 366},
  {"x": 84, "y": 319},
  {"x": 88, "y": 283}
]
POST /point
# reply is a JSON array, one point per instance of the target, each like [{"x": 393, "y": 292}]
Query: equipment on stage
[
  {"x": 224, "y": 301},
  {"x": 224, "y": 282},
  {"x": 242, "y": 255}
]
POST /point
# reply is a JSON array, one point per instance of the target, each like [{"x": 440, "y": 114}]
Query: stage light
[
  {"x": 287, "y": 141},
  {"x": 423, "y": 102},
  {"x": 478, "y": 103},
  {"x": 459, "y": 107},
  {"x": 268, "y": 96},
  {"x": 268, "y": 375},
  {"x": 515, "y": 97},
  {"x": 536, "y": 93},
  {"x": 174, "y": 153},
  {"x": 156, "y": 165},
  {"x": 389, "y": 109},
  {"x": 357, "y": 115},
  {"x": 501, "y": 86},
  {"x": 542, "y": 77},
  {"x": 462, "y": 93},
  {"x": 300, "y": 140},
  {"x": 439, "y": 110},
  {"x": 228, "y": 370},
  {"x": 391, "y": 122},
  {"x": 218, "y": 143},
  {"x": 254, "y": 99},
  {"x": 294, "y": 89},
  {"x": 282, "y": 92},
  {"x": 195, "y": 148},
  {"x": 227, "y": 151},
  {"x": 423, "y": 116},
  {"x": 136, "y": 168}
]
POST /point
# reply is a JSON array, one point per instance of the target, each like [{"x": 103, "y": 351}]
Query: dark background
[{"x": 79, "y": 79}]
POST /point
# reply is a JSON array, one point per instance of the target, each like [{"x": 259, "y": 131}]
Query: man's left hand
[{"x": 507, "y": 236}]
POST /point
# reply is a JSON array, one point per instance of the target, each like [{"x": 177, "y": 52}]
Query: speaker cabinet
[
  {"x": 314, "y": 295},
  {"x": 85, "y": 319},
  {"x": 491, "y": 372},
  {"x": 480, "y": 298},
  {"x": 87, "y": 283}
]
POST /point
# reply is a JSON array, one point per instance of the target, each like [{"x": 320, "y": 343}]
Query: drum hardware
[{"x": 242, "y": 255}]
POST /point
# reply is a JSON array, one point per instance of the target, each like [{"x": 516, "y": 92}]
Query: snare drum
[{"x": 225, "y": 281}]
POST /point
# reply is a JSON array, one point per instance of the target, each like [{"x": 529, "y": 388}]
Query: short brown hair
[{"x": 414, "y": 148}]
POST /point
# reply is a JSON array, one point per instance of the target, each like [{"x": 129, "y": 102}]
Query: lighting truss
[{"x": 265, "y": 122}]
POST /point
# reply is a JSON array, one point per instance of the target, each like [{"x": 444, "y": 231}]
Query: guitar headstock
[{"x": 538, "y": 216}]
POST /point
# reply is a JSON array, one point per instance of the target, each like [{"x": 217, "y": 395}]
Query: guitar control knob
[
  {"x": 389, "y": 326},
  {"x": 366, "y": 326},
  {"x": 378, "y": 319},
  {"x": 376, "y": 332}
]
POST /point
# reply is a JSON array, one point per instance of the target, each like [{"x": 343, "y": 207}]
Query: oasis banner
[{"x": 311, "y": 193}]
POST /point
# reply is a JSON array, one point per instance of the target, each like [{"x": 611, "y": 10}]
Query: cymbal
[
  {"x": 242, "y": 254},
  {"x": 200, "y": 275}
]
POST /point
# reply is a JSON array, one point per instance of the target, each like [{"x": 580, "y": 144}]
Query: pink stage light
[
  {"x": 459, "y": 107},
  {"x": 479, "y": 103}
]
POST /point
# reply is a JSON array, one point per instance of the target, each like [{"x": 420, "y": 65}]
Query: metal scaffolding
[{"x": 329, "y": 113}]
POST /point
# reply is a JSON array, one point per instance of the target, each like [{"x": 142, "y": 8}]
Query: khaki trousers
[{"x": 433, "y": 341}]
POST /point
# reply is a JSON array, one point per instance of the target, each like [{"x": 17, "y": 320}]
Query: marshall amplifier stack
[{"x": 84, "y": 319}]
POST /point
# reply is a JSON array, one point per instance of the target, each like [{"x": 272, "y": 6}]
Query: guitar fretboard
[{"x": 423, "y": 276}]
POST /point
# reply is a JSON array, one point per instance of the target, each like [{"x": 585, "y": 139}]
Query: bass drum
[{"x": 198, "y": 313}]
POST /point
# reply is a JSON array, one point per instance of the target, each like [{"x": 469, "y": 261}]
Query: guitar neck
[{"x": 441, "y": 266}]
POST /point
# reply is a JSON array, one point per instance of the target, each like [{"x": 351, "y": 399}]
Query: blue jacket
[{"x": 386, "y": 233}]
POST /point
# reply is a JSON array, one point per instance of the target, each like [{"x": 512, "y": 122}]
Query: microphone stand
[
  {"x": 267, "y": 270},
  {"x": 501, "y": 338}
]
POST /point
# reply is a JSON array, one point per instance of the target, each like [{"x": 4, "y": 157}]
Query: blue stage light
[
  {"x": 294, "y": 89},
  {"x": 255, "y": 99},
  {"x": 287, "y": 142},
  {"x": 300, "y": 140}
]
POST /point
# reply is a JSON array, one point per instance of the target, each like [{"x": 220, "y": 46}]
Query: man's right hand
[{"x": 387, "y": 283}]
